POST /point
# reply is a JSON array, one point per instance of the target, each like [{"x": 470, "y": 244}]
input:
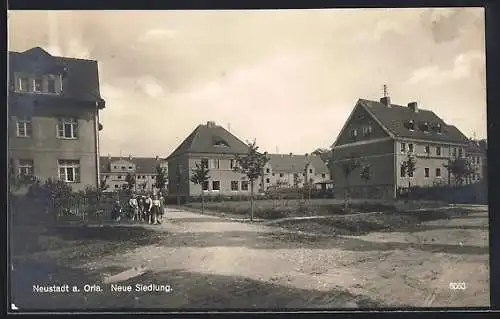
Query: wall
[
  {"x": 45, "y": 149},
  {"x": 225, "y": 174},
  {"x": 380, "y": 156}
]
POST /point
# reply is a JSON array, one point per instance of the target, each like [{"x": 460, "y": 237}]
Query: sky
[{"x": 286, "y": 78}]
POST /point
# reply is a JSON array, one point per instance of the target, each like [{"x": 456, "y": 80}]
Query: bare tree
[{"x": 252, "y": 165}]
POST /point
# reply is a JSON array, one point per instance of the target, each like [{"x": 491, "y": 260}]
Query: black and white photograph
[{"x": 247, "y": 159}]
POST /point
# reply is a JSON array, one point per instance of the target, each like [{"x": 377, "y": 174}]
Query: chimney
[
  {"x": 386, "y": 100},
  {"x": 413, "y": 106},
  {"x": 157, "y": 157},
  {"x": 109, "y": 157},
  {"x": 291, "y": 154},
  {"x": 130, "y": 157},
  {"x": 307, "y": 155},
  {"x": 210, "y": 124}
]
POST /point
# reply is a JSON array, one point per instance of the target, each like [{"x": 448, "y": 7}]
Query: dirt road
[{"x": 216, "y": 263}]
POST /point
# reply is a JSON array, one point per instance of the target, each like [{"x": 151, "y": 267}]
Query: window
[
  {"x": 234, "y": 185},
  {"x": 403, "y": 147},
  {"x": 23, "y": 84},
  {"x": 323, "y": 175},
  {"x": 215, "y": 164},
  {"x": 204, "y": 162},
  {"x": 454, "y": 152},
  {"x": 268, "y": 180},
  {"x": 25, "y": 168},
  {"x": 67, "y": 128},
  {"x": 204, "y": 186},
  {"x": 37, "y": 85},
  {"x": 438, "y": 128},
  {"x": 268, "y": 170},
  {"x": 460, "y": 152},
  {"x": 216, "y": 185},
  {"x": 438, "y": 150},
  {"x": 438, "y": 172},
  {"x": 115, "y": 167},
  {"x": 410, "y": 148},
  {"x": 119, "y": 177},
  {"x": 427, "y": 149},
  {"x": 130, "y": 167},
  {"x": 231, "y": 163},
  {"x": 116, "y": 186},
  {"x": 426, "y": 170},
  {"x": 402, "y": 171},
  {"x": 367, "y": 130},
  {"x": 274, "y": 174},
  {"x": 281, "y": 174},
  {"x": 51, "y": 85},
  {"x": 310, "y": 171},
  {"x": 24, "y": 127},
  {"x": 69, "y": 171},
  {"x": 123, "y": 167},
  {"x": 244, "y": 185},
  {"x": 354, "y": 133}
]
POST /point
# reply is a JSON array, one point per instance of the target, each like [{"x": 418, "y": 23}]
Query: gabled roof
[
  {"x": 81, "y": 81},
  {"x": 210, "y": 138},
  {"x": 144, "y": 165},
  {"x": 296, "y": 163},
  {"x": 395, "y": 117}
]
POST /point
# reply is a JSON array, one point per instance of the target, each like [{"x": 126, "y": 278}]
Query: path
[{"x": 210, "y": 261}]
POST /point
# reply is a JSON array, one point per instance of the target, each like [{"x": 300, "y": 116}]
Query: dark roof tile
[
  {"x": 205, "y": 139},
  {"x": 296, "y": 163},
  {"x": 395, "y": 117}
]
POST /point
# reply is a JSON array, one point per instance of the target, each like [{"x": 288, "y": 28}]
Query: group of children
[{"x": 142, "y": 208}]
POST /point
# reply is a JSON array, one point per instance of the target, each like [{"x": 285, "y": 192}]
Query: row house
[
  {"x": 290, "y": 170},
  {"x": 381, "y": 134},
  {"x": 53, "y": 117},
  {"x": 114, "y": 171}
]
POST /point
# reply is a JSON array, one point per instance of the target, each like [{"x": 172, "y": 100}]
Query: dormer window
[
  {"x": 424, "y": 127},
  {"x": 411, "y": 125},
  {"x": 438, "y": 128},
  {"x": 221, "y": 143}
]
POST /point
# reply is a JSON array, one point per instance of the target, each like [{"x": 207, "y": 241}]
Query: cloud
[
  {"x": 156, "y": 34},
  {"x": 463, "y": 65},
  {"x": 150, "y": 86},
  {"x": 381, "y": 28},
  {"x": 449, "y": 24}
]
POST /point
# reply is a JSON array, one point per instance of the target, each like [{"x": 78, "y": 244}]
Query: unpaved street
[{"x": 217, "y": 263}]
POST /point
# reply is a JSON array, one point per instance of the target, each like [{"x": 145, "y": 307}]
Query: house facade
[
  {"x": 114, "y": 171},
  {"x": 382, "y": 135},
  {"x": 289, "y": 170},
  {"x": 53, "y": 117},
  {"x": 477, "y": 154},
  {"x": 214, "y": 147}
]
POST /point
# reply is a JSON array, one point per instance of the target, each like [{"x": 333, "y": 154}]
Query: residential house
[
  {"x": 288, "y": 170},
  {"x": 476, "y": 154},
  {"x": 214, "y": 147},
  {"x": 53, "y": 117},
  {"x": 114, "y": 171},
  {"x": 381, "y": 134}
]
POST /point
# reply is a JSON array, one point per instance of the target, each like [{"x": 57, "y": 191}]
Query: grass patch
[
  {"x": 276, "y": 209},
  {"x": 382, "y": 222}
]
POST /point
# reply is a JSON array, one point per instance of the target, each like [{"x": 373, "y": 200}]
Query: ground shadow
[
  {"x": 189, "y": 291},
  {"x": 280, "y": 240},
  {"x": 423, "y": 227}
]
